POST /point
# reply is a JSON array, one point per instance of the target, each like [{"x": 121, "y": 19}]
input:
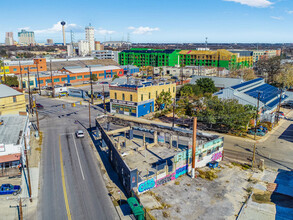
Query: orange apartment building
[{"x": 25, "y": 66}]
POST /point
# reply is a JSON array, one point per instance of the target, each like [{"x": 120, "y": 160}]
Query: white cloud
[
  {"x": 277, "y": 18},
  {"x": 23, "y": 28},
  {"x": 104, "y": 31},
  {"x": 290, "y": 12},
  {"x": 143, "y": 30},
  {"x": 58, "y": 28},
  {"x": 253, "y": 3}
]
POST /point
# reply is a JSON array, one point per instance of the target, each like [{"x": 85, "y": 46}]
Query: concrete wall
[
  {"x": 127, "y": 176},
  {"x": 9, "y": 105}
]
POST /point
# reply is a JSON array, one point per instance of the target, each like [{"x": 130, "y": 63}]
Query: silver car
[{"x": 79, "y": 134}]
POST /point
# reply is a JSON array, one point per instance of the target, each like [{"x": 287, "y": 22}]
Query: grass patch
[
  {"x": 242, "y": 166},
  {"x": 264, "y": 197},
  {"x": 38, "y": 149},
  {"x": 148, "y": 213},
  {"x": 209, "y": 175},
  {"x": 166, "y": 214},
  {"x": 249, "y": 189},
  {"x": 177, "y": 182},
  {"x": 40, "y": 138}
]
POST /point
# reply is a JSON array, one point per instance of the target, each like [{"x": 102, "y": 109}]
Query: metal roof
[
  {"x": 220, "y": 82},
  {"x": 6, "y": 91},
  {"x": 94, "y": 69},
  {"x": 12, "y": 128},
  {"x": 250, "y": 82}
]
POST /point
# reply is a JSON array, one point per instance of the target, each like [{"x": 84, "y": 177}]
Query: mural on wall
[
  {"x": 217, "y": 156},
  {"x": 180, "y": 159}
]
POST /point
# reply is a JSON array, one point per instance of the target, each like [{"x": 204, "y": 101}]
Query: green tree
[
  {"x": 94, "y": 77},
  {"x": 206, "y": 85},
  {"x": 269, "y": 67},
  {"x": 12, "y": 81},
  {"x": 164, "y": 98},
  {"x": 115, "y": 77},
  {"x": 184, "y": 107}
]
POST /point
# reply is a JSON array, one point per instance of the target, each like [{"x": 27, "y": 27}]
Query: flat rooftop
[{"x": 12, "y": 128}]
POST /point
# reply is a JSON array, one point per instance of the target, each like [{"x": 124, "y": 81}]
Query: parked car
[
  {"x": 86, "y": 82},
  {"x": 10, "y": 189},
  {"x": 104, "y": 83},
  {"x": 149, "y": 77},
  {"x": 281, "y": 115},
  {"x": 79, "y": 134},
  {"x": 57, "y": 86},
  {"x": 39, "y": 106},
  {"x": 288, "y": 105},
  {"x": 258, "y": 132},
  {"x": 67, "y": 84}
]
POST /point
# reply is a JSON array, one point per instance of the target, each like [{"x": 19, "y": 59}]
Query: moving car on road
[
  {"x": 39, "y": 106},
  {"x": 9, "y": 189},
  {"x": 79, "y": 134}
]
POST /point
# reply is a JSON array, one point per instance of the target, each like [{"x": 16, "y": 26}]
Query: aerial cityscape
[{"x": 146, "y": 110}]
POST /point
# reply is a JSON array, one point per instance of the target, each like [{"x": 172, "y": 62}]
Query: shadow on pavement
[{"x": 287, "y": 134}]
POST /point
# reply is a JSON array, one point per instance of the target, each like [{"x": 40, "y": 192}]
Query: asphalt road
[
  {"x": 276, "y": 150},
  {"x": 73, "y": 187}
]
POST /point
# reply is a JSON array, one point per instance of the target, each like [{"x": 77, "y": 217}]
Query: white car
[{"x": 79, "y": 134}]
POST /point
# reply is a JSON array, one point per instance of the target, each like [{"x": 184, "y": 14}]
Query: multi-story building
[
  {"x": 50, "y": 41},
  {"x": 11, "y": 101},
  {"x": 9, "y": 38},
  {"x": 22, "y": 67},
  {"x": 106, "y": 55},
  {"x": 116, "y": 44},
  {"x": 74, "y": 74},
  {"x": 98, "y": 45},
  {"x": 4, "y": 70},
  {"x": 149, "y": 57},
  {"x": 137, "y": 100},
  {"x": 83, "y": 48},
  {"x": 258, "y": 54},
  {"x": 90, "y": 37},
  {"x": 218, "y": 58},
  {"x": 26, "y": 37}
]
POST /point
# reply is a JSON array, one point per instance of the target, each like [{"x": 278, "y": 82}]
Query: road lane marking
[
  {"x": 63, "y": 182},
  {"x": 78, "y": 157}
]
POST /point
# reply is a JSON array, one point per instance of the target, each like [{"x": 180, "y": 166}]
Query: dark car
[
  {"x": 67, "y": 84},
  {"x": 104, "y": 83},
  {"x": 39, "y": 106},
  {"x": 10, "y": 189}
]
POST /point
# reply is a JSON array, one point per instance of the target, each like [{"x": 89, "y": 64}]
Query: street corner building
[
  {"x": 138, "y": 99},
  {"x": 11, "y": 101}
]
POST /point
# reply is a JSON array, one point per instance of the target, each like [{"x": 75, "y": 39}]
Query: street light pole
[
  {"x": 91, "y": 81},
  {"x": 28, "y": 170}
]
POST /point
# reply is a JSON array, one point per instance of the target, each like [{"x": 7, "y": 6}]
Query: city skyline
[{"x": 227, "y": 21}]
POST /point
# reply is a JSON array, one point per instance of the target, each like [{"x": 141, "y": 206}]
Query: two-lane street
[{"x": 71, "y": 182}]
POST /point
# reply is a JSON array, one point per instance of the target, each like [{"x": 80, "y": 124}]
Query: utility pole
[
  {"x": 280, "y": 100},
  {"x": 29, "y": 89},
  {"x": 91, "y": 80},
  {"x": 52, "y": 81},
  {"x": 38, "y": 76},
  {"x": 193, "y": 147},
  {"x": 104, "y": 100},
  {"x": 4, "y": 72},
  {"x": 174, "y": 103},
  {"x": 20, "y": 209},
  {"x": 90, "y": 126},
  {"x": 37, "y": 115},
  {"x": 20, "y": 75},
  {"x": 28, "y": 171},
  {"x": 254, "y": 147}
]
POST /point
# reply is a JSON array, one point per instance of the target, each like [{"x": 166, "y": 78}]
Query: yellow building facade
[
  {"x": 11, "y": 101},
  {"x": 137, "y": 100}
]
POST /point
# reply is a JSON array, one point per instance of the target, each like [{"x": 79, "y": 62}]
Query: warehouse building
[
  {"x": 73, "y": 74},
  {"x": 220, "y": 82},
  {"x": 139, "y": 98},
  {"x": 247, "y": 93},
  {"x": 22, "y": 67}
]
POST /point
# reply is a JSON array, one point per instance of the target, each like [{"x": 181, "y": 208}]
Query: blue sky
[{"x": 156, "y": 21}]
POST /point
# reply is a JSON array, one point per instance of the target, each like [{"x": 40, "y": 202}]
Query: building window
[
  {"x": 141, "y": 97},
  {"x": 63, "y": 79},
  {"x": 14, "y": 69},
  {"x": 79, "y": 77},
  {"x": 123, "y": 96},
  {"x": 101, "y": 74},
  {"x": 48, "y": 81},
  {"x": 115, "y": 95},
  {"x": 149, "y": 95},
  {"x": 31, "y": 82},
  {"x": 174, "y": 89},
  {"x": 86, "y": 76},
  {"x": 56, "y": 80},
  {"x": 72, "y": 78},
  {"x": 131, "y": 98},
  {"x": 41, "y": 81},
  {"x": 14, "y": 98}
]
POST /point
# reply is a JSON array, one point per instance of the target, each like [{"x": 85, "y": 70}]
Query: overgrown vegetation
[
  {"x": 242, "y": 166},
  {"x": 208, "y": 175}
]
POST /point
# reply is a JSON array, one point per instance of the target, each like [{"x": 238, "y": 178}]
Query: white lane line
[{"x": 78, "y": 157}]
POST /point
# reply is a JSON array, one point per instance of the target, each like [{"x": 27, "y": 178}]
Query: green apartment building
[
  {"x": 157, "y": 57},
  {"x": 149, "y": 57}
]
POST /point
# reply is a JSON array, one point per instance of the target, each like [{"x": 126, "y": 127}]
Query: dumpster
[
  {"x": 137, "y": 209},
  {"x": 213, "y": 164}
]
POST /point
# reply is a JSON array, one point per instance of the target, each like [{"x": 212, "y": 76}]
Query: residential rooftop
[
  {"x": 12, "y": 128},
  {"x": 6, "y": 91}
]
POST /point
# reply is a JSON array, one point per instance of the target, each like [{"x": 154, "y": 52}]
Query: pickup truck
[{"x": 9, "y": 189}]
